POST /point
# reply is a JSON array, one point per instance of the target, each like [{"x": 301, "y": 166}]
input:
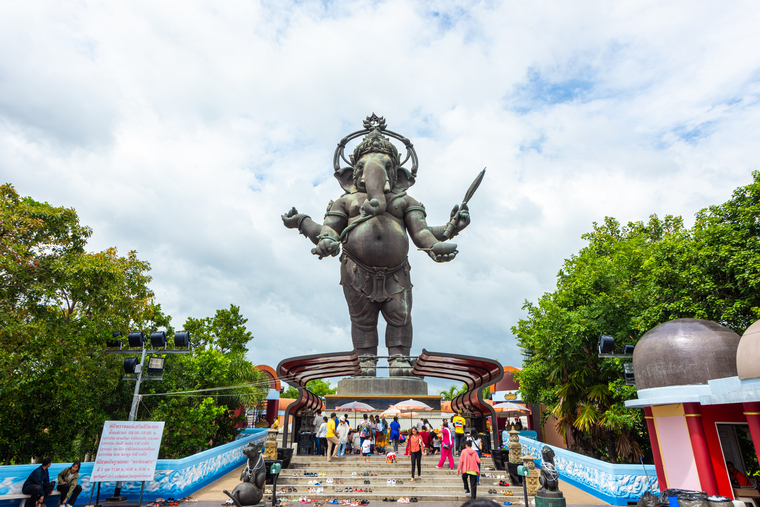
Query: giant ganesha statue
[{"x": 371, "y": 221}]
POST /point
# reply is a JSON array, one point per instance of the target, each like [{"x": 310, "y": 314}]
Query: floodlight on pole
[
  {"x": 606, "y": 344},
  {"x": 182, "y": 339},
  {"x": 115, "y": 342},
  {"x": 136, "y": 339},
  {"x": 155, "y": 365},
  {"x": 130, "y": 365},
  {"x": 158, "y": 339}
]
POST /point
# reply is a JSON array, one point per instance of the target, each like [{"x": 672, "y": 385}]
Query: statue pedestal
[
  {"x": 381, "y": 392},
  {"x": 542, "y": 501}
]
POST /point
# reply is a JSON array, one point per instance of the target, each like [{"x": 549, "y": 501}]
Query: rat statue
[
  {"x": 251, "y": 490},
  {"x": 549, "y": 476}
]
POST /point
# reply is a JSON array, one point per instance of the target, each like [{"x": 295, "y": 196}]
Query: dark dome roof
[
  {"x": 684, "y": 352},
  {"x": 747, "y": 364}
]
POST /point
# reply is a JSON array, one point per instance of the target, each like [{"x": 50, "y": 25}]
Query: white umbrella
[
  {"x": 355, "y": 406},
  {"x": 511, "y": 407},
  {"x": 410, "y": 405}
]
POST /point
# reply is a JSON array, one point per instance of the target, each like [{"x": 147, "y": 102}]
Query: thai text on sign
[{"x": 128, "y": 451}]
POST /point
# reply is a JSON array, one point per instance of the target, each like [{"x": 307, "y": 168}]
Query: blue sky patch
[{"x": 539, "y": 90}]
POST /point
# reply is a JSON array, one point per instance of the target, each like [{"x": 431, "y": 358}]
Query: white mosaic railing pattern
[
  {"x": 605, "y": 480},
  {"x": 173, "y": 478}
]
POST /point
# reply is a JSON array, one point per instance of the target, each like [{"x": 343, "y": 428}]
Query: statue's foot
[
  {"x": 368, "y": 368},
  {"x": 400, "y": 367}
]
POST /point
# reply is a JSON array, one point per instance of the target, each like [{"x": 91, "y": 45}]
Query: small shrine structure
[{"x": 699, "y": 385}]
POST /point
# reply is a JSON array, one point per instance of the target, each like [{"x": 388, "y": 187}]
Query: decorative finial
[{"x": 374, "y": 122}]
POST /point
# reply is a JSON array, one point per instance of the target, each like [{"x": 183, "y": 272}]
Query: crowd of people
[{"x": 334, "y": 436}]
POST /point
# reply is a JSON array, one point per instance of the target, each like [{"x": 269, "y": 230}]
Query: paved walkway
[{"x": 212, "y": 496}]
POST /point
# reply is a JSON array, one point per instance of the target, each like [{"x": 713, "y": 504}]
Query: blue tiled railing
[
  {"x": 174, "y": 477},
  {"x": 615, "y": 484}
]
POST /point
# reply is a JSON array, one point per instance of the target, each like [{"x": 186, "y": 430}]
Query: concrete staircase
[{"x": 436, "y": 485}]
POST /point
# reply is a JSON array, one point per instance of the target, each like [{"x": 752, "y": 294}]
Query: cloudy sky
[{"x": 184, "y": 130}]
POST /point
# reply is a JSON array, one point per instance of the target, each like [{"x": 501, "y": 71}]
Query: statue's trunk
[{"x": 376, "y": 182}]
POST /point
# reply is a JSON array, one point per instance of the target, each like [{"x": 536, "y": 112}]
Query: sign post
[
  {"x": 523, "y": 471},
  {"x": 128, "y": 451}
]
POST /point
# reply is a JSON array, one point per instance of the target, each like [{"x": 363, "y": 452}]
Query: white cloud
[{"x": 184, "y": 130}]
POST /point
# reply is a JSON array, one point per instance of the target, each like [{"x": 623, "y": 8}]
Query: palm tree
[{"x": 452, "y": 392}]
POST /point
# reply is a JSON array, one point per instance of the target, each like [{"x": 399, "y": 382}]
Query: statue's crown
[{"x": 375, "y": 142}]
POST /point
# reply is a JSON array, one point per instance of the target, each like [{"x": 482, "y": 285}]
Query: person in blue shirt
[
  {"x": 395, "y": 433},
  {"x": 38, "y": 485}
]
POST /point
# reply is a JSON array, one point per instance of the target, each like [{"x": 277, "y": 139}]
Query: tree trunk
[{"x": 611, "y": 451}]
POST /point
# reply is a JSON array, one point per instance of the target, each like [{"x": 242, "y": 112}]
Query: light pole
[{"x": 131, "y": 366}]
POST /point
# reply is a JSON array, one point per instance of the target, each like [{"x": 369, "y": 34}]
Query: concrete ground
[{"x": 212, "y": 496}]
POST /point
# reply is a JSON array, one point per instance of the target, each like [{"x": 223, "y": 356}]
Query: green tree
[
  {"x": 225, "y": 331},
  {"x": 599, "y": 291},
  {"x": 210, "y": 413},
  {"x": 58, "y": 305},
  {"x": 624, "y": 282},
  {"x": 319, "y": 387}
]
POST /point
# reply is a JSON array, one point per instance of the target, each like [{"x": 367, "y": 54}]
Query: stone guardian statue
[{"x": 372, "y": 222}]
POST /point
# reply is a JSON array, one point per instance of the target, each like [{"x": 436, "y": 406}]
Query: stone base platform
[{"x": 381, "y": 392}]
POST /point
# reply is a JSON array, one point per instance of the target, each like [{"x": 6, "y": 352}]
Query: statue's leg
[
  {"x": 398, "y": 333},
  {"x": 364, "y": 314}
]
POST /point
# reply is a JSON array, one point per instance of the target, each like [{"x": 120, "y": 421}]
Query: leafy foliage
[
  {"x": 58, "y": 306},
  {"x": 198, "y": 420},
  {"x": 320, "y": 387},
  {"x": 627, "y": 280},
  {"x": 452, "y": 392},
  {"x": 225, "y": 331}
]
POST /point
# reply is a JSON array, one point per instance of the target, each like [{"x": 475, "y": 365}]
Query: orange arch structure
[
  {"x": 274, "y": 380},
  {"x": 273, "y": 406}
]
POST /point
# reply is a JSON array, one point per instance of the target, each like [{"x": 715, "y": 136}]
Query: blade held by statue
[{"x": 449, "y": 230}]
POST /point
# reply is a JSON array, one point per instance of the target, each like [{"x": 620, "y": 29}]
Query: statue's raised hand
[
  {"x": 460, "y": 217},
  {"x": 292, "y": 219},
  {"x": 442, "y": 252}
]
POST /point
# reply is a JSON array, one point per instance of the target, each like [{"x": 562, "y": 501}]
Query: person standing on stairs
[
  {"x": 469, "y": 464},
  {"x": 416, "y": 448},
  {"x": 332, "y": 437},
  {"x": 395, "y": 433},
  {"x": 447, "y": 444},
  {"x": 322, "y": 435},
  {"x": 342, "y": 437}
]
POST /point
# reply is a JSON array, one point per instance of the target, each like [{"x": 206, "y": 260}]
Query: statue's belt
[{"x": 379, "y": 293}]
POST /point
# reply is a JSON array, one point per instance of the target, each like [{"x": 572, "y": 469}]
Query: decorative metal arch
[
  {"x": 297, "y": 371},
  {"x": 371, "y": 123},
  {"x": 476, "y": 372}
]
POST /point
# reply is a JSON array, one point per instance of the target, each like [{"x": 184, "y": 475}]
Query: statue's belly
[{"x": 380, "y": 241}]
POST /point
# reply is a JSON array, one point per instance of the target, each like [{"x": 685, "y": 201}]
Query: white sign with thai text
[{"x": 128, "y": 451}]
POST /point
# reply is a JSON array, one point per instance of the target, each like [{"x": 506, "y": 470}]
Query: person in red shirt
[
  {"x": 425, "y": 435},
  {"x": 416, "y": 448}
]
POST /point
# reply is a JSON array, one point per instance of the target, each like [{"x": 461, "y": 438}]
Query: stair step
[{"x": 422, "y": 496}]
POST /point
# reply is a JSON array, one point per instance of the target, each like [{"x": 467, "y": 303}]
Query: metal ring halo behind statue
[{"x": 371, "y": 123}]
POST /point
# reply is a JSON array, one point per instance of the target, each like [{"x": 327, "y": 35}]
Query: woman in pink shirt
[
  {"x": 469, "y": 464},
  {"x": 446, "y": 446}
]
